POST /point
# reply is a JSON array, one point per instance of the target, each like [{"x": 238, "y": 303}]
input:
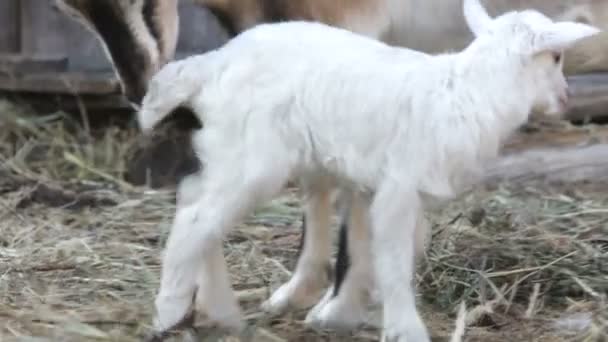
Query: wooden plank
[
  {"x": 99, "y": 107},
  {"x": 48, "y": 32},
  {"x": 9, "y": 26},
  {"x": 19, "y": 63},
  {"x": 61, "y": 83},
  {"x": 40, "y": 29}
]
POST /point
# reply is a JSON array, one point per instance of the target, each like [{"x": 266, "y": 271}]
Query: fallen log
[
  {"x": 542, "y": 133},
  {"x": 567, "y": 165},
  {"x": 589, "y": 97}
]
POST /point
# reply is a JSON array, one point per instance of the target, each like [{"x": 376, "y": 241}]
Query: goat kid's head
[{"x": 540, "y": 44}]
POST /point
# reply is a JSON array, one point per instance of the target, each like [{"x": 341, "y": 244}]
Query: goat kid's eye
[{"x": 557, "y": 57}]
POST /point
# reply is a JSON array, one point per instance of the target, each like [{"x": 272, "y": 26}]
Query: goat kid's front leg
[
  {"x": 394, "y": 216},
  {"x": 313, "y": 268}
]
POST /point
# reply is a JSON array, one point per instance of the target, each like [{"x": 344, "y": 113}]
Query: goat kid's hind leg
[
  {"x": 313, "y": 268},
  {"x": 344, "y": 306},
  {"x": 394, "y": 216},
  {"x": 193, "y": 258}
]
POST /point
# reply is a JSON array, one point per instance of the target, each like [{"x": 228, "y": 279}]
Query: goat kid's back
[
  {"x": 310, "y": 94},
  {"x": 202, "y": 81}
]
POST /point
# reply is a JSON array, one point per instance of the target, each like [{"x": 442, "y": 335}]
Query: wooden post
[{"x": 10, "y": 41}]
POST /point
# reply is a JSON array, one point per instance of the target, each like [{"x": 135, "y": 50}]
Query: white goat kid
[
  {"x": 346, "y": 309},
  {"x": 396, "y": 130}
]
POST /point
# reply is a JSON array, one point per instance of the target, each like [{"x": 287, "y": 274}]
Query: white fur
[{"x": 307, "y": 100}]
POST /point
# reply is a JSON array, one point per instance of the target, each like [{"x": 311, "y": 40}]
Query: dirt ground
[{"x": 80, "y": 248}]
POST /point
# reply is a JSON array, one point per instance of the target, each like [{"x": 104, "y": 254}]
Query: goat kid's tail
[{"x": 172, "y": 86}]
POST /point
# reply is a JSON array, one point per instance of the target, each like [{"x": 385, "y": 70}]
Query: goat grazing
[{"x": 398, "y": 131}]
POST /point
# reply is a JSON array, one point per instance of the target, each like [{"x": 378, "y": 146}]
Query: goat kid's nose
[{"x": 564, "y": 96}]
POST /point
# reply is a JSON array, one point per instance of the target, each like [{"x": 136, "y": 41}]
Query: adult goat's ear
[
  {"x": 560, "y": 36},
  {"x": 476, "y": 16}
]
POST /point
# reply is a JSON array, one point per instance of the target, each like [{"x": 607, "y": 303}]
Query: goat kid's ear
[
  {"x": 476, "y": 16},
  {"x": 562, "y": 35}
]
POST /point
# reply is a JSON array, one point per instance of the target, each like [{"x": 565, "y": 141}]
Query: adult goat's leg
[
  {"x": 313, "y": 268},
  {"x": 394, "y": 216}
]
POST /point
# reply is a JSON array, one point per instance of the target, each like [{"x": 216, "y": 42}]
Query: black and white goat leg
[
  {"x": 138, "y": 37},
  {"x": 313, "y": 268}
]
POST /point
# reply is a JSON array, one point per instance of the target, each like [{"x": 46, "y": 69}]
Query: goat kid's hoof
[
  {"x": 277, "y": 304},
  {"x": 172, "y": 311},
  {"x": 414, "y": 335},
  {"x": 159, "y": 335},
  {"x": 336, "y": 315},
  {"x": 292, "y": 295},
  {"x": 230, "y": 324},
  {"x": 402, "y": 338}
]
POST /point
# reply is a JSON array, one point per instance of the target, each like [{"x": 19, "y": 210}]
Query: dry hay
[{"x": 79, "y": 250}]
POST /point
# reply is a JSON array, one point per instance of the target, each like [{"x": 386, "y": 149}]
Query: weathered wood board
[
  {"x": 72, "y": 83},
  {"x": 9, "y": 26},
  {"x": 20, "y": 63}
]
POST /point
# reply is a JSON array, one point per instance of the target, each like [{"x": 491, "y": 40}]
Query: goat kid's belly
[{"x": 347, "y": 159}]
